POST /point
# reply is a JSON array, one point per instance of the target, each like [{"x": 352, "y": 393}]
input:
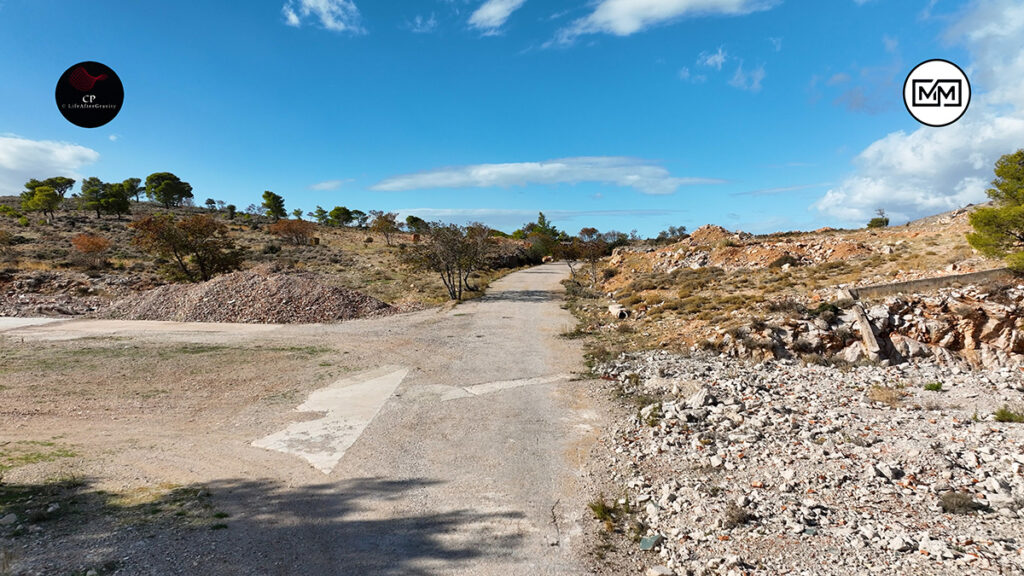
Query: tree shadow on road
[
  {"x": 524, "y": 296},
  {"x": 246, "y": 527}
]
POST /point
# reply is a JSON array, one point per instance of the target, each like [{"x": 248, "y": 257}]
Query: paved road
[{"x": 458, "y": 450}]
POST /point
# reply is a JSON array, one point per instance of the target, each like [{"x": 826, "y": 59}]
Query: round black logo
[
  {"x": 89, "y": 94},
  {"x": 937, "y": 93}
]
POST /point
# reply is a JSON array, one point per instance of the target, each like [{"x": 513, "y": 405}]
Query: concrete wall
[{"x": 930, "y": 284}]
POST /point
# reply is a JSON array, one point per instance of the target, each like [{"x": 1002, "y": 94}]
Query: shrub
[
  {"x": 735, "y": 516},
  {"x": 91, "y": 249},
  {"x": 879, "y": 222},
  {"x": 958, "y": 503},
  {"x": 609, "y": 514},
  {"x": 196, "y": 247},
  {"x": 933, "y": 387},
  {"x": 1005, "y": 414},
  {"x": 609, "y": 273},
  {"x": 297, "y": 232},
  {"x": 785, "y": 305},
  {"x": 783, "y": 260},
  {"x": 886, "y": 395}
]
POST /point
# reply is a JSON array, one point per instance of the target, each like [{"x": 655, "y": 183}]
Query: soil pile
[{"x": 257, "y": 296}]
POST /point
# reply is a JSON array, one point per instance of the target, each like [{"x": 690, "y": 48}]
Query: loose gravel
[
  {"x": 784, "y": 468},
  {"x": 254, "y": 296}
]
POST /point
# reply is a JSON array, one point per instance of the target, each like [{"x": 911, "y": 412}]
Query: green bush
[
  {"x": 1004, "y": 414},
  {"x": 879, "y": 222}
]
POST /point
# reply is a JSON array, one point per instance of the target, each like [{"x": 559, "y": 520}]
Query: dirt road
[{"x": 452, "y": 442}]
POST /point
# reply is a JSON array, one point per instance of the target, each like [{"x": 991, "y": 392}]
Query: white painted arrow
[{"x": 350, "y": 405}]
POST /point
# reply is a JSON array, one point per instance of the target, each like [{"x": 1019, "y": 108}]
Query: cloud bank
[
  {"x": 640, "y": 175},
  {"x": 934, "y": 169},
  {"x": 334, "y": 15},
  {"x": 626, "y": 17},
  {"x": 22, "y": 159}
]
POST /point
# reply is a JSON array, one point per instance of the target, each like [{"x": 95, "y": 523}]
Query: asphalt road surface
[{"x": 458, "y": 446}]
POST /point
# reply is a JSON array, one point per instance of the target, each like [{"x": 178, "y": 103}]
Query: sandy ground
[{"x": 448, "y": 441}]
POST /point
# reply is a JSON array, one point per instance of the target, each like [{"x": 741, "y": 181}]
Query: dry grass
[{"x": 892, "y": 396}]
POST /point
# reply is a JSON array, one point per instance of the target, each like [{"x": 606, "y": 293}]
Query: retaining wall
[{"x": 930, "y": 284}]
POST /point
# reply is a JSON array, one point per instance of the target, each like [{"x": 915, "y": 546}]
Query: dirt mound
[
  {"x": 711, "y": 235},
  {"x": 261, "y": 295}
]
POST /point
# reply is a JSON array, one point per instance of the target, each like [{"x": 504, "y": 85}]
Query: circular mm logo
[
  {"x": 89, "y": 94},
  {"x": 937, "y": 93}
]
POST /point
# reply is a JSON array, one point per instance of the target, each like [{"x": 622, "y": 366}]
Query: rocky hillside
[
  {"x": 789, "y": 296},
  {"x": 42, "y": 273}
]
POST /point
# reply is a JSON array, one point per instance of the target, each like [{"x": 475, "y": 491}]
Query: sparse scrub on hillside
[
  {"x": 196, "y": 247},
  {"x": 91, "y": 249},
  {"x": 298, "y": 232},
  {"x": 385, "y": 223}
]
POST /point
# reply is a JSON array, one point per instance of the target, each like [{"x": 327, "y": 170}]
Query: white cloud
[
  {"x": 633, "y": 173},
  {"x": 749, "y": 81},
  {"x": 782, "y": 189},
  {"x": 838, "y": 78},
  {"x": 113, "y": 137},
  {"x": 421, "y": 25},
  {"x": 626, "y": 17},
  {"x": 935, "y": 169},
  {"x": 330, "y": 184},
  {"x": 335, "y": 15},
  {"x": 891, "y": 44},
  {"x": 493, "y": 14},
  {"x": 776, "y": 43},
  {"x": 686, "y": 75},
  {"x": 712, "y": 60},
  {"x": 513, "y": 218},
  {"x": 22, "y": 159}
]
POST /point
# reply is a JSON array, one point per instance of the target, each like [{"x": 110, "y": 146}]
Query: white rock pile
[{"x": 784, "y": 468}]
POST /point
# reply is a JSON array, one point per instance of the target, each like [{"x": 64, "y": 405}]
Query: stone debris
[
  {"x": 63, "y": 293},
  {"x": 260, "y": 295},
  {"x": 715, "y": 246},
  {"x": 967, "y": 327},
  {"x": 781, "y": 467}
]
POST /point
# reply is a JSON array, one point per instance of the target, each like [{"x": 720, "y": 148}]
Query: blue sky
[{"x": 753, "y": 114}]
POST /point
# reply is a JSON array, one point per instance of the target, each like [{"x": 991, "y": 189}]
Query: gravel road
[{"x": 475, "y": 464}]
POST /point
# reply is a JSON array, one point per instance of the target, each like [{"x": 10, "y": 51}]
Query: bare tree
[
  {"x": 385, "y": 223},
  {"x": 453, "y": 252},
  {"x": 592, "y": 248}
]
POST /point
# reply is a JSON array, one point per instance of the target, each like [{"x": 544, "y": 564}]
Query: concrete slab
[
  {"x": 350, "y": 405},
  {"x": 72, "y": 329},
  {"x": 11, "y": 323}
]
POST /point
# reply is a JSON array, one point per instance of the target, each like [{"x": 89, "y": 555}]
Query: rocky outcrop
[{"x": 966, "y": 327}]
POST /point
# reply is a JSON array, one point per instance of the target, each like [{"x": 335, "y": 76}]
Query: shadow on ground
[
  {"x": 524, "y": 296},
  {"x": 243, "y": 527}
]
